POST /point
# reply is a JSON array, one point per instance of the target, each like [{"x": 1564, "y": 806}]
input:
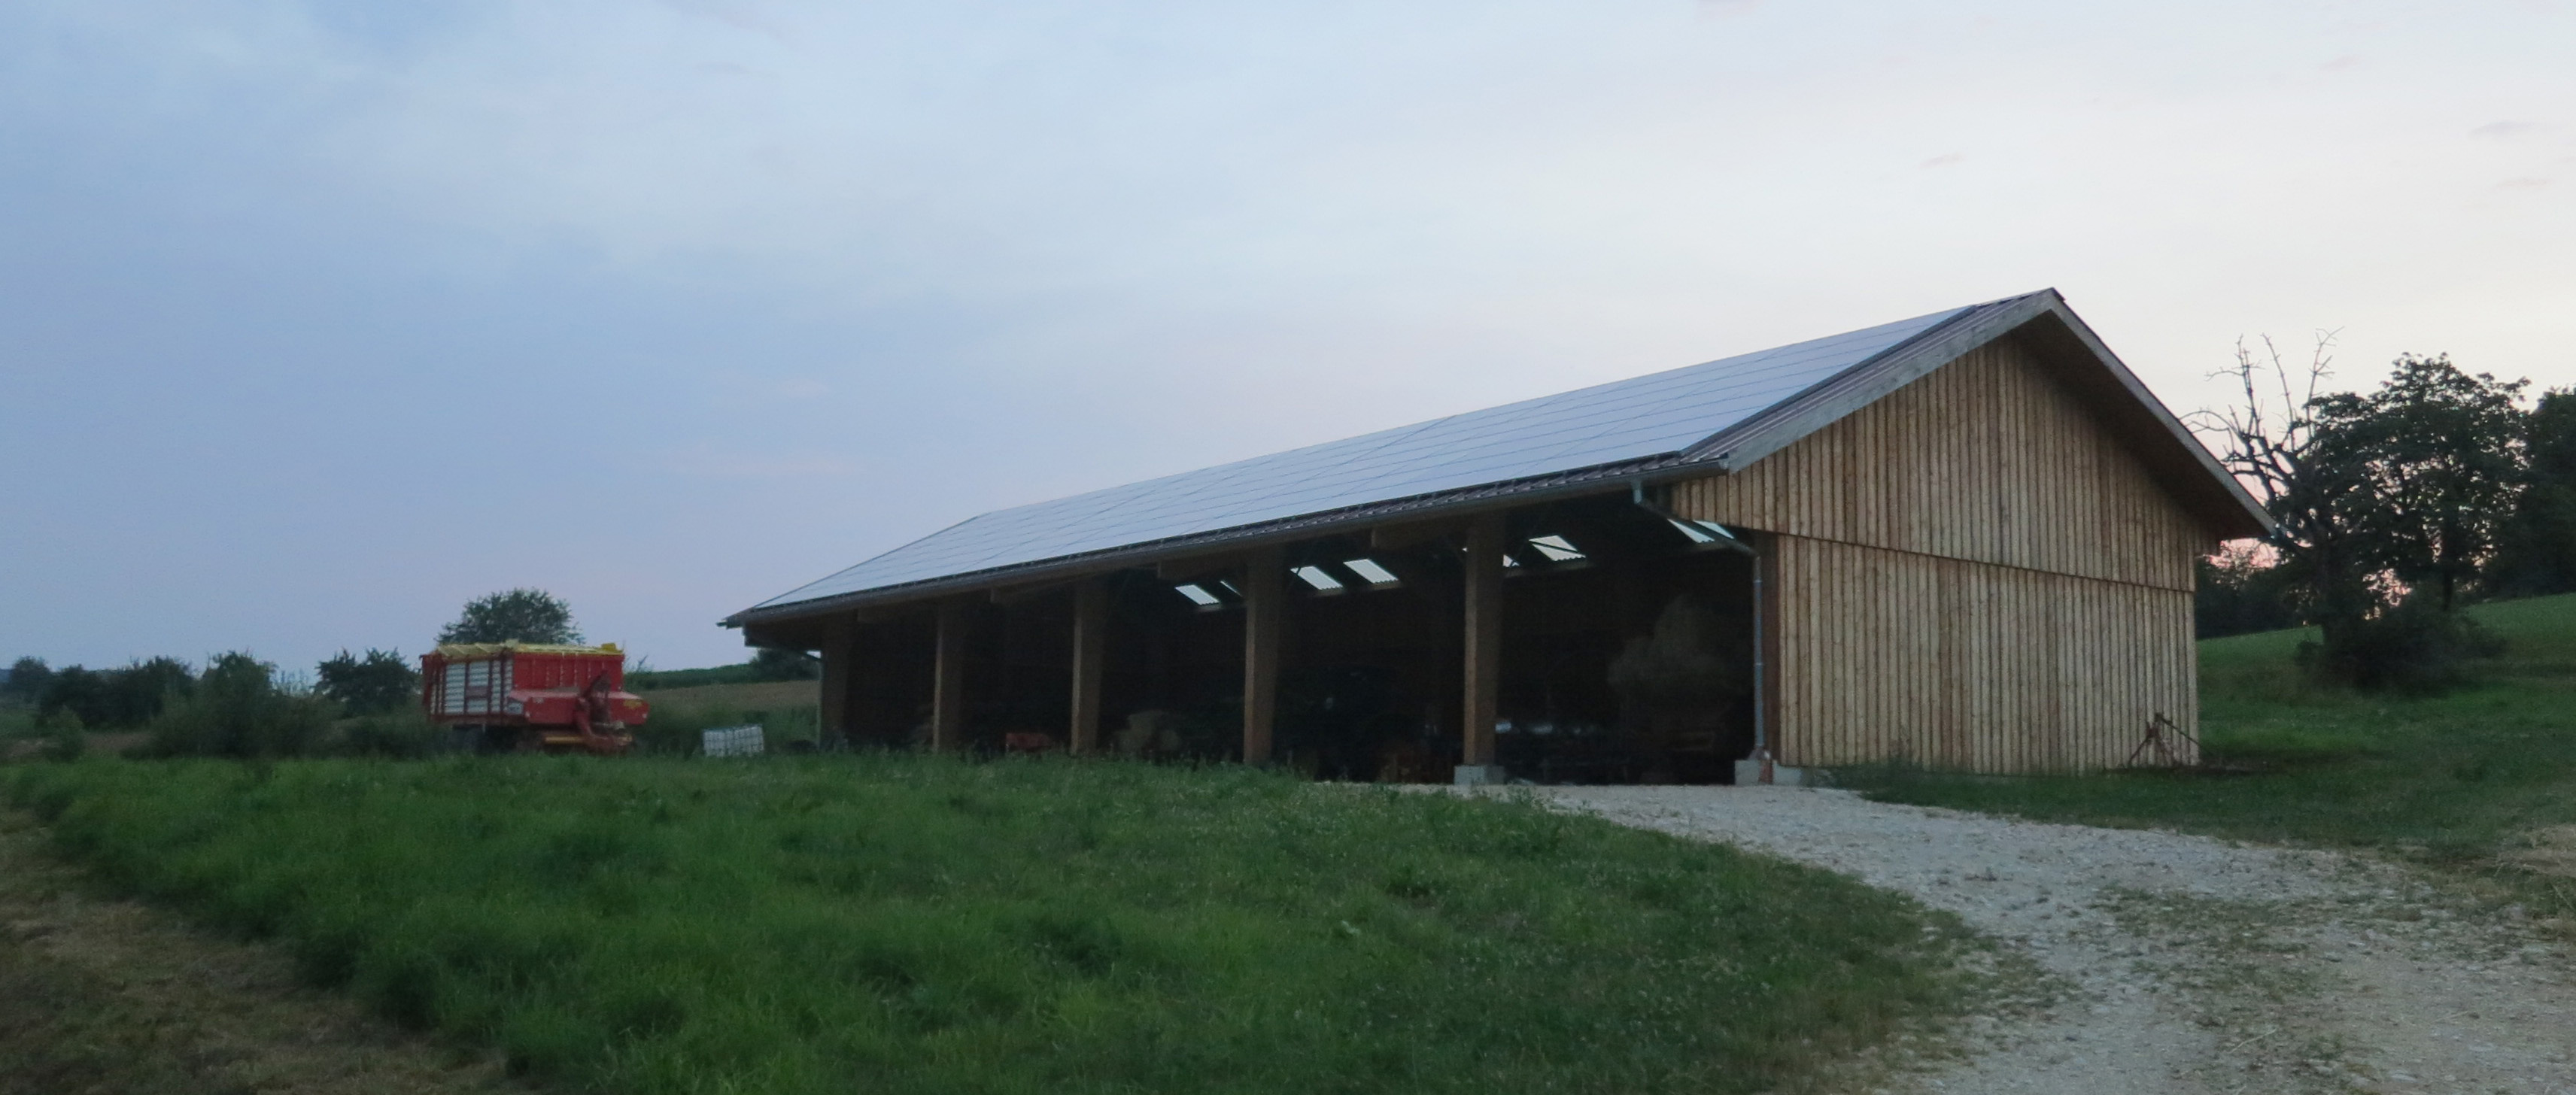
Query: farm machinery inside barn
[{"x": 531, "y": 697}]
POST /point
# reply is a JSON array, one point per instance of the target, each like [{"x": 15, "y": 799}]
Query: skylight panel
[
  {"x": 1369, "y": 569},
  {"x": 1710, "y": 532},
  {"x": 1198, "y": 594},
  {"x": 1317, "y": 577},
  {"x": 1558, "y": 549}
]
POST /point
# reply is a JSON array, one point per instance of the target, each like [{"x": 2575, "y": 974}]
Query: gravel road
[{"x": 2183, "y": 964}]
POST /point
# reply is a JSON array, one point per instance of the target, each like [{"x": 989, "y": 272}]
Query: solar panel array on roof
[{"x": 1648, "y": 416}]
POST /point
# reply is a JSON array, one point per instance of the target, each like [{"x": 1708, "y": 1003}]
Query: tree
[
  {"x": 785, "y": 665},
  {"x": 138, "y": 692},
  {"x": 524, "y": 615},
  {"x": 111, "y": 698},
  {"x": 2240, "y": 593},
  {"x": 27, "y": 679},
  {"x": 2536, "y": 548},
  {"x": 380, "y": 682},
  {"x": 2440, "y": 452},
  {"x": 238, "y": 710},
  {"x": 2386, "y": 505},
  {"x": 80, "y": 691},
  {"x": 2273, "y": 443}
]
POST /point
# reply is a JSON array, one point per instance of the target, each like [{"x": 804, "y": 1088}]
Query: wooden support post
[
  {"x": 948, "y": 681},
  {"x": 840, "y": 677},
  {"x": 1090, "y": 645},
  {"x": 1484, "y": 647},
  {"x": 1265, "y": 605},
  {"x": 1766, "y": 650}
]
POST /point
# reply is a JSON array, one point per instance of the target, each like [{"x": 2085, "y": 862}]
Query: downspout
[{"x": 1761, "y": 679}]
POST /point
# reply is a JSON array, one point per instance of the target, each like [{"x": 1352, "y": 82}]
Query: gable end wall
[{"x": 1970, "y": 573}]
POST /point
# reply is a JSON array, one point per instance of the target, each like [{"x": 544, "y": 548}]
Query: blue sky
[{"x": 318, "y": 319}]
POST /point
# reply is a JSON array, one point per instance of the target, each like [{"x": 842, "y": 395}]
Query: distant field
[
  {"x": 765, "y": 695},
  {"x": 787, "y": 709},
  {"x": 905, "y": 923},
  {"x": 2483, "y": 779}
]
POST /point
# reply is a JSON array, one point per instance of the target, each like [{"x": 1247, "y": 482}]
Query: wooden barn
[{"x": 1964, "y": 539}]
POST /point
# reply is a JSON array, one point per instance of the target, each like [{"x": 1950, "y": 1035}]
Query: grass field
[
  {"x": 2469, "y": 781},
  {"x": 788, "y": 710},
  {"x": 913, "y": 924},
  {"x": 99, "y": 995},
  {"x": 758, "y": 696}
]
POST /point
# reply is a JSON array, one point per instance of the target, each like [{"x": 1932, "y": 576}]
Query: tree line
[
  {"x": 2394, "y": 507},
  {"x": 132, "y": 695},
  {"x": 373, "y": 683},
  {"x": 239, "y": 705}
]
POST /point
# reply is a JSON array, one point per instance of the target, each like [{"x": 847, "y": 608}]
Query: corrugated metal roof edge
[
  {"x": 1422, "y": 507},
  {"x": 1425, "y": 505},
  {"x": 1736, "y": 447}
]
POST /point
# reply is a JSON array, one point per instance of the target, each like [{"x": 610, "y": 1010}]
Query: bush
[
  {"x": 400, "y": 734},
  {"x": 2237, "y": 595},
  {"x": 376, "y": 684},
  {"x": 27, "y": 680},
  {"x": 2413, "y": 647},
  {"x": 238, "y": 710},
  {"x": 65, "y": 738},
  {"x": 114, "y": 698}
]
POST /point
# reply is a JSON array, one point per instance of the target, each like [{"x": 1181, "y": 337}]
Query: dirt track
[
  {"x": 108, "y": 996},
  {"x": 2185, "y": 964}
]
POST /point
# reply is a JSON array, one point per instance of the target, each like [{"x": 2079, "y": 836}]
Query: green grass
[
  {"x": 900, "y": 923},
  {"x": 2452, "y": 779},
  {"x": 786, "y": 711}
]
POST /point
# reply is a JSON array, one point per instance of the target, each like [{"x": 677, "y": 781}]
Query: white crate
[{"x": 733, "y": 741}]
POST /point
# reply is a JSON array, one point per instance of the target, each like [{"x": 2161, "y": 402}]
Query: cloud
[
  {"x": 906, "y": 260},
  {"x": 2503, "y": 129}
]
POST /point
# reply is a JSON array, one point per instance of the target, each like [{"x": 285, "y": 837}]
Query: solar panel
[{"x": 1653, "y": 415}]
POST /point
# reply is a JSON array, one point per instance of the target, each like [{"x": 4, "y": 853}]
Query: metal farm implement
[{"x": 531, "y": 697}]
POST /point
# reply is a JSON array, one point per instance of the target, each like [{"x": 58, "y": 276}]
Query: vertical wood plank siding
[
  {"x": 1984, "y": 459},
  {"x": 1972, "y": 574}
]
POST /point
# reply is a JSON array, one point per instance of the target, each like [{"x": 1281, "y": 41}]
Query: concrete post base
[
  {"x": 1479, "y": 775},
  {"x": 1748, "y": 773}
]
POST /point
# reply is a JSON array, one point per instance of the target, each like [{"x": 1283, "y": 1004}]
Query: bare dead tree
[
  {"x": 2264, "y": 439},
  {"x": 2272, "y": 441}
]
